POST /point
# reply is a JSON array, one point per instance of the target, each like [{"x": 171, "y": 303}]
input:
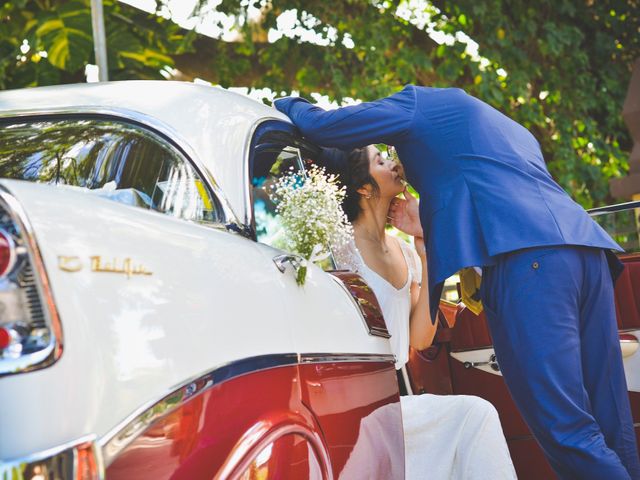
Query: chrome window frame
[
  {"x": 612, "y": 210},
  {"x": 618, "y": 207},
  {"x": 229, "y": 220}
]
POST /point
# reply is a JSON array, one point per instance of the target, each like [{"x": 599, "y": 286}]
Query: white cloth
[
  {"x": 379, "y": 432},
  {"x": 453, "y": 437},
  {"x": 446, "y": 436}
]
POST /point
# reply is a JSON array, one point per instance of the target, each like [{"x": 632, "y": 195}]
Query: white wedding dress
[{"x": 445, "y": 436}]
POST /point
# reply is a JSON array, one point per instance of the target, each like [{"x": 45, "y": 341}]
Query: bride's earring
[{"x": 364, "y": 193}]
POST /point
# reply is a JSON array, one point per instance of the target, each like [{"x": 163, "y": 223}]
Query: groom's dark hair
[{"x": 355, "y": 175}]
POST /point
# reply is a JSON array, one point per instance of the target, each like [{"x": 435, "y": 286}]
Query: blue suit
[{"x": 486, "y": 197}]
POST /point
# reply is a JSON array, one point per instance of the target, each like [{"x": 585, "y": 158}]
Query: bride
[{"x": 446, "y": 437}]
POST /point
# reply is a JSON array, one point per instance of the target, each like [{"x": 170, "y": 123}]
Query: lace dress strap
[
  {"x": 413, "y": 260},
  {"x": 347, "y": 258}
]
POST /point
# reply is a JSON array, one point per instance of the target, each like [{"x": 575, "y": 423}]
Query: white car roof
[{"x": 191, "y": 114}]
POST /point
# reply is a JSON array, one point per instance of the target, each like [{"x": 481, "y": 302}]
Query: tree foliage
[
  {"x": 569, "y": 68},
  {"x": 561, "y": 68},
  {"x": 47, "y": 42}
]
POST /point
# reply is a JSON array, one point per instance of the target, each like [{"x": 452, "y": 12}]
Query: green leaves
[
  {"x": 566, "y": 79},
  {"x": 59, "y": 38},
  {"x": 65, "y": 34}
]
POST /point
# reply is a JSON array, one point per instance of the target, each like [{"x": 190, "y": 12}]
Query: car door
[
  {"x": 464, "y": 363},
  {"x": 347, "y": 377}
]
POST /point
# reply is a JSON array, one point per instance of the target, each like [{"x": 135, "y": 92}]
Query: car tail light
[
  {"x": 5, "y": 338},
  {"x": 7, "y": 253},
  {"x": 365, "y": 300},
  {"x": 30, "y": 332}
]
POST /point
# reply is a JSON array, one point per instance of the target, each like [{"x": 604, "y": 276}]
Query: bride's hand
[{"x": 404, "y": 215}]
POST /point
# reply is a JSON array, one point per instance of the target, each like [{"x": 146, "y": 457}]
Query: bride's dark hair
[{"x": 354, "y": 175}]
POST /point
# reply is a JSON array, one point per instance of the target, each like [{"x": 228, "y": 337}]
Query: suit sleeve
[{"x": 382, "y": 121}]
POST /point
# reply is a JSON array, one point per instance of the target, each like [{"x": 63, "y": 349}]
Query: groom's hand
[
  {"x": 284, "y": 104},
  {"x": 404, "y": 215}
]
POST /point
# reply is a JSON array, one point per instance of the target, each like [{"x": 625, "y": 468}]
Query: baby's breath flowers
[{"x": 311, "y": 215}]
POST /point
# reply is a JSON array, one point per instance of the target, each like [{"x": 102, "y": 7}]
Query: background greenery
[{"x": 561, "y": 67}]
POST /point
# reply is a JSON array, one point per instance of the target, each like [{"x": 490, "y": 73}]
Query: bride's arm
[{"x": 421, "y": 330}]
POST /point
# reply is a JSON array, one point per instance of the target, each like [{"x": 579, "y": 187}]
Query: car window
[
  {"x": 112, "y": 159},
  {"x": 622, "y": 224},
  {"x": 271, "y": 161}
]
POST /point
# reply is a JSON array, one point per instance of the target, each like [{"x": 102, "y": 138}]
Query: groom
[{"x": 487, "y": 200}]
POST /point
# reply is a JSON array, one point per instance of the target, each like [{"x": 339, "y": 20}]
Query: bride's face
[{"x": 386, "y": 172}]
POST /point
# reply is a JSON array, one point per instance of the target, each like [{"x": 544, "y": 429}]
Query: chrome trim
[
  {"x": 243, "y": 454},
  {"x": 346, "y": 357},
  {"x": 613, "y": 208},
  {"x": 119, "y": 437},
  {"x": 491, "y": 363},
  {"x": 122, "y": 435},
  {"x": 150, "y": 123},
  {"x": 296, "y": 261},
  {"x": 473, "y": 349},
  {"x": 52, "y": 352},
  {"x": 372, "y": 331},
  {"x": 379, "y": 332},
  {"x": 57, "y": 463},
  {"x": 248, "y": 207},
  {"x": 406, "y": 379}
]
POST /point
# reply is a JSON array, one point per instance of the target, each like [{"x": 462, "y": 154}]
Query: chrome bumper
[{"x": 78, "y": 460}]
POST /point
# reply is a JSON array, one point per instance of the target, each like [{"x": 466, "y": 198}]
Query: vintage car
[{"x": 149, "y": 328}]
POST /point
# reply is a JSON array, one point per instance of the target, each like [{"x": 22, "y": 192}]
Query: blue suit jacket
[{"x": 483, "y": 183}]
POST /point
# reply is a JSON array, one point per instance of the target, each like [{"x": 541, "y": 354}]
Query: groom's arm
[{"x": 383, "y": 121}]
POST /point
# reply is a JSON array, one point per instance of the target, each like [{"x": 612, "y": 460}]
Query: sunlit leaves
[
  {"x": 65, "y": 34},
  {"x": 60, "y": 42},
  {"x": 564, "y": 61}
]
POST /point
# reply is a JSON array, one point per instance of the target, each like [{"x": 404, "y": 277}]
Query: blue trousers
[{"x": 552, "y": 318}]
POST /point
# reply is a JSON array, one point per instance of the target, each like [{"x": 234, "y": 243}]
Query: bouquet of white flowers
[{"x": 311, "y": 215}]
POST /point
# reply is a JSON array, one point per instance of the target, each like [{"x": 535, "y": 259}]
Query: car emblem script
[
  {"x": 97, "y": 264},
  {"x": 69, "y": 264}
]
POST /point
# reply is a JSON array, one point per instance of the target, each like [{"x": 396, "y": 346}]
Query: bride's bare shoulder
[{"x": 402, "y": 243}]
